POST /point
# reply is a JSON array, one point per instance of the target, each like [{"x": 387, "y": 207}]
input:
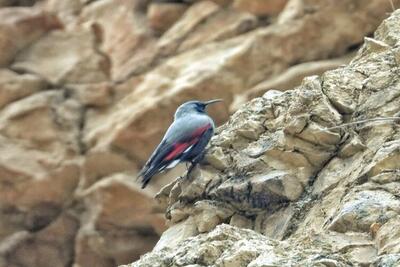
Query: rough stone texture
[
  {"x": 14, "y": 86},
  {"x": 308, "y": 196},
  {"x": 19, "y": 27},
  {"x": 65, "y": 57},
  {"x": 261, "y": 7},
  {"x": 87, "y": 88},
  {"x": 162, "y": 16}
]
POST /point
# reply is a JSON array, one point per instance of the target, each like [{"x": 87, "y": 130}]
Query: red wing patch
[
  {"x": 179, "y": 148},
  {"x": 201, "y": 130}
]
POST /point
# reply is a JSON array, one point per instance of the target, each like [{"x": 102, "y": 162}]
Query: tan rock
[
  {"x": 221, "y": 25},
  {"x": 274, "y": 225},
  {"x": 118, "y": 215},
  {"x": 51, "y": 246},
  {"x": 14, "y": 86},
  {"x": 195, "y": 15},
  {"x": 261, "y": 7},
  {"x": 162, "y": 16},
  {"x": 290, "y": 78},
  {"x": 207, "y": 215},
  {"x": 177, "y": 233},
  {"x": 124, "y": 33},
  {"x": 100, "y": 164},
  {"x": 241, "y": 222},
  {"x": 388, "y": 237},
  {"x": 353, "y": 146},
  {"x": 67, "y": 11},
  {"x": 219, "y": 70},
  {"x": 93, "y": 94},
  {"x": 47, "y": 121},
  {"x": 364, "y": 209},
  {"x": 363, "y": 255},
  {"x": 327, "y": 224},
  {"x": 38, "y": 187},
  {"x": 65, "y": 57},
  {"x": 19, "y": 27}
]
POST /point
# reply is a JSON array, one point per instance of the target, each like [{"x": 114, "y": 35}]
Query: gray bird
[{"x": 184, "y": 141}]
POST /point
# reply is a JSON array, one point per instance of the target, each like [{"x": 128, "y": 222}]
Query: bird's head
[{"x": 194, "y": 107}]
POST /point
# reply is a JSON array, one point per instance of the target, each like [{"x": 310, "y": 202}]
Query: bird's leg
[
  {"x": 194, "y": 162},
  {"x": 190, "y": 169}
]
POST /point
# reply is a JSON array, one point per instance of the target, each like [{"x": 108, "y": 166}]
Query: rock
[
  {"x": 47, "y": 121},
  {"x": 67, "y": 11},
  {"x": 88, "y": 88},
  {"x": 353, "y": 146},
  {"x": 243, "y": 61},
  {"x": 241, "y": 222},
  {"x": 125, "y": 36},
  {"x": 363, "y": 255},
  {"x": 331, "y": 195},
  {"x": 387, "y": 260},
  {"x": 19, "y": 27},
  {"x": 289, "y": 79},
  {"x": 100, "y": 164},
  {"x": 93, "y": 94},
  {"x": 177, "y": 233},
  {"x": 221, "y": 25},
  {"x": 14, "y": 86},
  {"x": 364, "y": 209},
  {"x": 52, "y": 246},
  {"x": 113, "y": 224},
  {"x": 231, "y": 246},
  {"x": 274, "y": 225},
  {"x": 195, "y": 15},
  {"x": 65, "y": 57},
  {"x": 207, "y": 215},
  {"x": 162, "y": 16},
  {"x": 261, "y": 7},
  {"x": 386, "y": 159},
  {"x": 38, "y": 187},
  {"x": 387, "y": 237},
  {"x": 262, "y": 190}
]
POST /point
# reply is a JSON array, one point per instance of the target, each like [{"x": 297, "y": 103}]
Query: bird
[{"x": 184, "y": 141}]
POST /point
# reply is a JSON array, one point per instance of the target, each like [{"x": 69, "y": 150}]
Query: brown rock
[
  {"x": 126, "y": 38},
  {"x": 93, "y": 94},
  {"x": 38, "y": 186},
  {"x": 162, "y": 16},
  {"x": 195, "y": 15},
  {"x": 289, "y": 79},
  {"x": 222, "y": 25},
  {"x": 329, "y": 222},
  {"x": 261, "y": 7},
  {"x": 14, "y": 86},
  {"x": 65, "y": 57},
  {"x": 52, "y": 246},
  {"x": 67, "y": 11},
  {"x": 47, "y": 121},
  {"x": 118, "y": 214},
  {"x": 19, "y": 27}
]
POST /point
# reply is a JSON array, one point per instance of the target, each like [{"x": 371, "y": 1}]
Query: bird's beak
[{"x": 212, "y": 101}]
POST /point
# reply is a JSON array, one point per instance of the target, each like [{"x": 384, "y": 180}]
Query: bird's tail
[{"x": 146, "y": 174}]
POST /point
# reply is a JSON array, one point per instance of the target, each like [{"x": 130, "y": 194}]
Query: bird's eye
[{"x": 200, "y": 107}]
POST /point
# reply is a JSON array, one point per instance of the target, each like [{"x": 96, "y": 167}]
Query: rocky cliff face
[
  {"x": 87, "y": 88},
  {"x": 283, "y": 189}
]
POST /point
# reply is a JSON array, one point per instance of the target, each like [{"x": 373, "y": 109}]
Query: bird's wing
[{"x": 178, "y": 140}]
